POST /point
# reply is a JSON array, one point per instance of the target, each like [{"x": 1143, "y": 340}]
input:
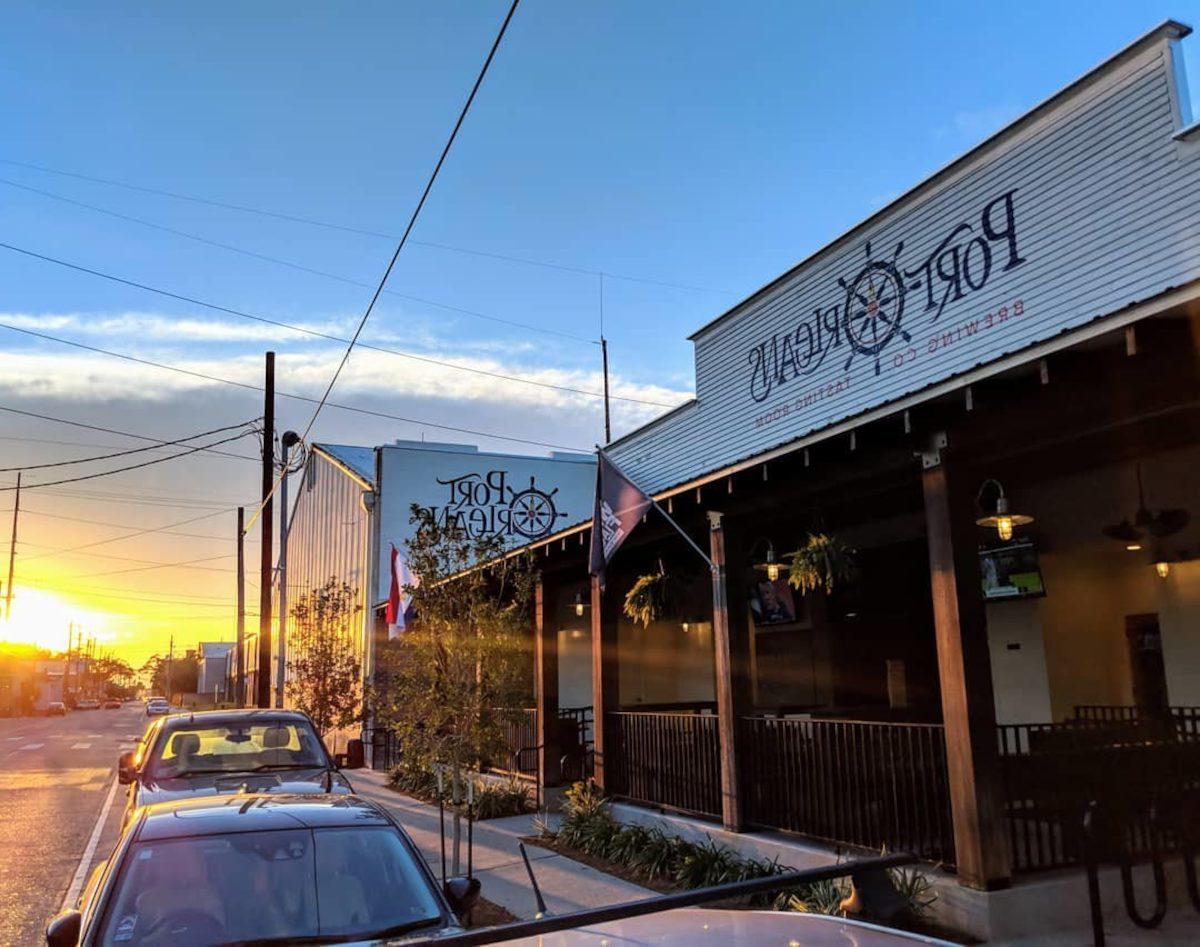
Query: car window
[
  {"x": 368, "y": 881},
  {"x": 237, "y": 747},
  {"x": 214, "y": 889}
]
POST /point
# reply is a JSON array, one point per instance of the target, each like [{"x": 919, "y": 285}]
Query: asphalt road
[{"x": 55, "y": 776}]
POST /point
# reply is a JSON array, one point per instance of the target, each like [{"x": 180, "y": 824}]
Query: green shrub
[
  {"x": 660, "y": 855},
  {"x": 496, "y": 800},
  {"x": 707, "y": 864}
]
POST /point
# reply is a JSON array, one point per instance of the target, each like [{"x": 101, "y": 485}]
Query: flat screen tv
[{"x": 1011, "y": 571}]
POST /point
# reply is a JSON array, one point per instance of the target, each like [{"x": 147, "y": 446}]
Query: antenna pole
[{"x": 607, "y": 415}]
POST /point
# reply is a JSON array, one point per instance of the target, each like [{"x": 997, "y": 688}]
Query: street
[{"x": 56, "y": 773}]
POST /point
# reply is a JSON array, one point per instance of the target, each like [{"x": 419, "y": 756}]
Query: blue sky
[{"x": 706, "y": 145}]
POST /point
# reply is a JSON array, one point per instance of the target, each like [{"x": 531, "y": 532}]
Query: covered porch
[{"x": 910, "y": 709}]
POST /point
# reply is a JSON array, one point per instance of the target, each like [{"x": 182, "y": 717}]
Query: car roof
[
  {"x": 256, "y": 812},
  {"x": 217, "y": 718}
]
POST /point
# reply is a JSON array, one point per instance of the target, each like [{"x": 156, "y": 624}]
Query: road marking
[
  {"x": 127, "y": 746},
  {"x": 14, "y": 738},
  {"x": 88, "y": 852},
  {"x": 31, "y": 746},
  {"x": 81, "y": 746},
  {"x": 95, "y": 736}
]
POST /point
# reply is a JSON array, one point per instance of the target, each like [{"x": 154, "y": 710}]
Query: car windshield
[
  {"x": 343, "y": 883},
  {"x": 236, "y": 748}
]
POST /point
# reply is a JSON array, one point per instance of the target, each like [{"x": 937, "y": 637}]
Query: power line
[
  {"x": 293, "y": 218},
  {"x": 109, "y": 430},
  {"x": 139, "y": 532},
  {"x": 76, "y": 519},
  {"x": 126, "y": 453},
  {"x": 187, "y": 563},
  {"x": 128, "y": 467},
  {"x": 282, "y": 394},
  {"x": 63, "y": 551},
  {"x": 279, "y": 261},
  {"x": 316, "y": 333}
]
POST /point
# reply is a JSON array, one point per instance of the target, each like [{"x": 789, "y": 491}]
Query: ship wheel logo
[
  {"x": 532, "y": 511},
  {"x": 874, "y": 307}
]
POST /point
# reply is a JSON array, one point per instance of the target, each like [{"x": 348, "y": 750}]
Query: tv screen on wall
[{"x": 1011, "y": 571}]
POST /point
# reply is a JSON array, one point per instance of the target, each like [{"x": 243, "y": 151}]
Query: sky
[{"x": 628, "y": 168}]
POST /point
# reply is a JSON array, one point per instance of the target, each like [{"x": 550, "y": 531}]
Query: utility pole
[
  {"x": 285, "y": 445},
  {"x": 67, "y": 670},
  {"x": 263, "y": 680},
  {"x": 12, "y": 551},
  {"x": 607, "y": 417},
  {"x": 240, "y": 679},
  {"x": 170, "y": 661}
]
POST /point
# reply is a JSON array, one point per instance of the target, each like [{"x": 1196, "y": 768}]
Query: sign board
[
  {"x": 522, "y": 499},
  {"x": 1080, "y": 209}
]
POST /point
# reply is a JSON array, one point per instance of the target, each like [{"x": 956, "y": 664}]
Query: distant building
[{"x": 216, "y": 668}]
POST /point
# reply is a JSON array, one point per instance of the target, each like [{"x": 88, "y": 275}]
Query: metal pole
[
  {"x": 12, "y": 551},
  {"x": 263, "y": 680},
  {"x": 283, "y": 540},
  {"x": 170, "y": 662},
  {"x": 607, "y": 415},
  {"x": 240, "y": 660}
]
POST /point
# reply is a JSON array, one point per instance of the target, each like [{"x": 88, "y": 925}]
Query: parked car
[
  {"x": 56, "y": 708},
  {"x": 686, "y": 927},
  {"x": 226, "y": 751},
  {"x": 263, "y": 870},
  {"x": 112, "y": 704},
  {"x": 157, "y": 706},
  {"x": 87, "y": 703}
]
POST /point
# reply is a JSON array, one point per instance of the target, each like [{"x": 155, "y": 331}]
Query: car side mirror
[
  {"x": 63, "y": 930},
  {"x": 126, "y": 770},
  {"x": 462, "y": 893}
]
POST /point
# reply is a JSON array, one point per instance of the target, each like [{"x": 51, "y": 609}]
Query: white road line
[
  {"x": 88, "y": 852},
  {"x": 127, "y": 746},
  {"x": 81, "y": 746},
  {"x": 14, "y": 738},
  {"x": 31, "y": 746}
]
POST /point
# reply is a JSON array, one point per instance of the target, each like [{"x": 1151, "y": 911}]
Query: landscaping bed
[{"x": 494, "y": 798}]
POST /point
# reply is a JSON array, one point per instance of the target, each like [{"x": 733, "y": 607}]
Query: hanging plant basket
[
  {"x": 652, "y": 598},
  {"x": 823, "y": 562}
]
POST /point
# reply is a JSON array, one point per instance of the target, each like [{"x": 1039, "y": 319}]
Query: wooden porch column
[
  {"x": 605, "y": 697},
  {"x": 731, "y": 664},
  {"x": 545, "y": 673},
  {"x": 964, "y": 668}
]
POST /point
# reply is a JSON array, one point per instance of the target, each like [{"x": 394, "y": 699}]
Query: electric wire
[
  {"x": 318, "y": 334},
  {"x": 310, "y": 221},
  {"x": 125, "y": 453},
  {"x": 282, "y": 394},
  {"x": 25, "y": 511},
  {"x": 138, "y": 532},
  {"x": 128, "y": 467}
]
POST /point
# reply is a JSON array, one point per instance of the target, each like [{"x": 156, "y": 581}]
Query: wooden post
[
  {"x": 731, "y": 656},
  {"x": 605, "y": 697},
  {"x": 964, "y": 668},
  {"x": 545, "y": 670}
]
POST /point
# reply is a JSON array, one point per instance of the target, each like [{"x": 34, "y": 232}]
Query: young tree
[
  {"x": 323, "y": 662},
  {"x": 462, "y": 670}
]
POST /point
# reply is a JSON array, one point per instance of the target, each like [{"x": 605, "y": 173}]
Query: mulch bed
[{"x": 487, "y": 914}]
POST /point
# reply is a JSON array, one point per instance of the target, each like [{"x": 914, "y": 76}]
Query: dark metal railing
[
  {"x": 1186, "y": 719},
  {"x": 873, "y": 785},
  {"x": 1138, "y": 770},
  {"x": 520, "y": 737},
  {"x": 665, "y": 759}
]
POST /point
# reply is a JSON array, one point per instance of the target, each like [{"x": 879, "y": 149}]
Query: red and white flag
[{"x": 399, "y": 605}]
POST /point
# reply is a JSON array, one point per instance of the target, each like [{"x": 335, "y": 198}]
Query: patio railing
[
  {"x": 1131, "y": 766},
  {"x": 664, "y": 759},
  {"x": 872, "y": 785}
]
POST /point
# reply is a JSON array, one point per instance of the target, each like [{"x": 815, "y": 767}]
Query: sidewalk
[{"x": 566, "y": 884}]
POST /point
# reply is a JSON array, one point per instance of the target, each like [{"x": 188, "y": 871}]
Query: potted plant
[
  {"x": 821, "y": 563},
  {"x": 651, "y": 598}
]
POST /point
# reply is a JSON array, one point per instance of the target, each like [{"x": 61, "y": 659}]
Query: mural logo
[
  {"x": 869, "y": 318},
  {"x": 487, "y": 505}
]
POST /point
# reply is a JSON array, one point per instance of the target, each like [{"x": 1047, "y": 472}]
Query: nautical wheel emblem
[
  {"x": 533, "y": 512},
  {"x": 874, "y": 307}
]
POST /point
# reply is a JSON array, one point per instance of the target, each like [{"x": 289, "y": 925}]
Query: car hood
[
  {"x": 698, "y": 927},
  {"x": 298, "y": 781}
]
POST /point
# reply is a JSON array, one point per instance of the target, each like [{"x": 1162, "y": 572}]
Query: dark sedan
[
  {"x": 227, "y": 751},
  {"x": 255, "y": 869}
]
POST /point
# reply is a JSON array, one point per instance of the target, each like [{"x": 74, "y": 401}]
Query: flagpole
[{"x": 679, "y": 529}]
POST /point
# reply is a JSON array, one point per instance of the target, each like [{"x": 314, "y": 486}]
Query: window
[{"x": 236, "y": 748}]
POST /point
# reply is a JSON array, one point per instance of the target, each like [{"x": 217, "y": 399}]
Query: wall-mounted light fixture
[{"x": 1003, "y": 520}]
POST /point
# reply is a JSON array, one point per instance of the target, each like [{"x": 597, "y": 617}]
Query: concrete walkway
[{"x": 566, "y": 884}]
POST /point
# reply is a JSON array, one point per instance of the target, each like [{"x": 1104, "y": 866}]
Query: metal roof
[{"x": 359, "y": 461}]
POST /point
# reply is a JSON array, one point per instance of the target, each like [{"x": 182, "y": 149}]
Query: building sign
[
  {"x": 1075, "y": 213},
  {"x": 869, "y": 319},
  {"x": 486, "y": 504},
  {"x": 518, "y": 498}
]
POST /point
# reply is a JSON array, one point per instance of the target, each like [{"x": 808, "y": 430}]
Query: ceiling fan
[{"x": 1165, "y": 522}]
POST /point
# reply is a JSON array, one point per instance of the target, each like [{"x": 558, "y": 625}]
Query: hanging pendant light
[
  {"x": 1003, "y": 520},
  {"x": 580, "y": 604},
  {"x": 770, "y": 565}
]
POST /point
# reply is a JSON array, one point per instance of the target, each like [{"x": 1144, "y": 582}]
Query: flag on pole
[
  {"x": 399, "y": 605},
  {"x": 620, "y": 504}
]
